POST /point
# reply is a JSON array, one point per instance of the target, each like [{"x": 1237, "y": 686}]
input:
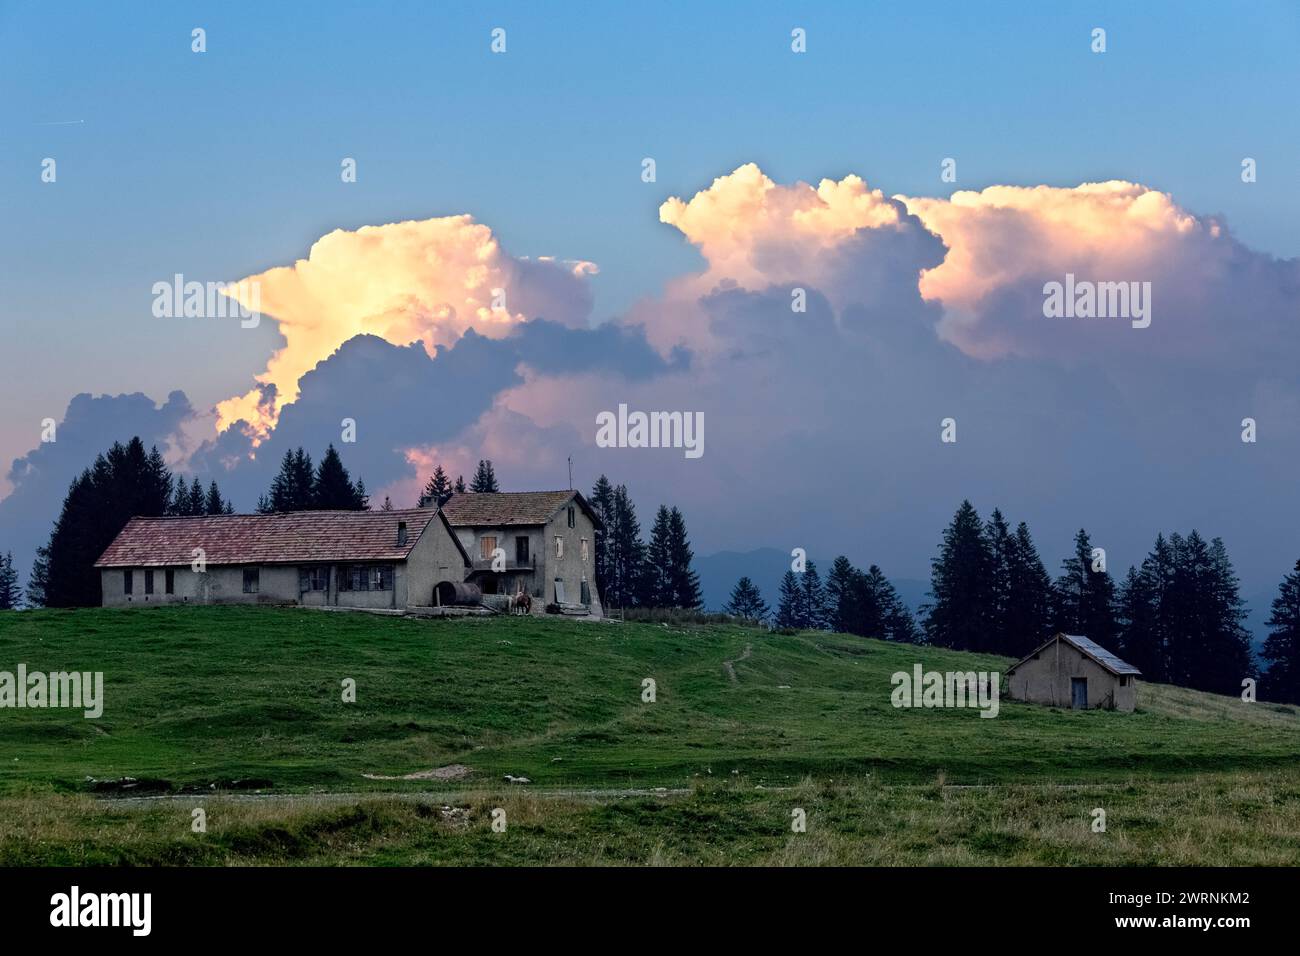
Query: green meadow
[{"x": 240, "y": 711}]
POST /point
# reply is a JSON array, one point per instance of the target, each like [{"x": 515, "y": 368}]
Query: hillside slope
[{"x": 203, "y": 696}]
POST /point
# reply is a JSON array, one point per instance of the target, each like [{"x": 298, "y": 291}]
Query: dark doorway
[{"x": 1079, "y": 693}]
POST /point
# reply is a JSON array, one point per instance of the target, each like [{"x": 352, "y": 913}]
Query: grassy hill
[{"x": 212, "y": 703}]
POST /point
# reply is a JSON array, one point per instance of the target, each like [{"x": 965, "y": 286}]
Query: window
[
  {"x": 401, "y": 533},
  {"x": 572, "y": 512},
  {"x": 521, "y": 549},
  {"x": 128, "y": 581},
  {"x": 366, "y": 577},
  {"x": 559, "y": 591},
  {"x": 559, "y": 546},
  {"x": 486, "y": 545},
  {"x": 148, "y": 581},
  {"x": 169, "y": 580},
  {"x": 252, "y": 579},
  {"x": 584, "y": 550},
  {"x": 316, "y": 578}
]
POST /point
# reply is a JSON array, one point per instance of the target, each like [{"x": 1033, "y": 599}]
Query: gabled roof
[
  {"x": 288, "y": 538},
  {"x": 1088, "y": 648},
  {"x": 504, "y": 508}
]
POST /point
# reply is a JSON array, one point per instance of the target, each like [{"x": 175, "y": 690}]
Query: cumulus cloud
[{"x": 421, "y": 280}]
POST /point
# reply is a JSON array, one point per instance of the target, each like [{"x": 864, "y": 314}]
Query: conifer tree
[
  {"x": 38, "y": 580},
  {"x": 816, "y": 611},
  {"x": 746, "y": 602},
  {"x": 602, "y": 503},
  {"x": 960, "y": 586},
  {"x": 124, "y": 482},
  {"x": 1026, "y": 603},
  {"x": 197, "y": 500},
  {"x": 460, "y": 485},
  {"x": 657, "y": 582},
  {"x": 332, "y": 489},
  {"x": 842, "y": 595},
  {"x": 1282, "y": 648},
  {"x": 627, "y": 554},
  {"x": 437, "y": 490},
  {"x": 485, "y": 479},
  {"x": 790, "y": 607},
  {"x": 10, "y": 592},
  {"x": 213, "y": 504},
  {"x": 682, "y": 579}
]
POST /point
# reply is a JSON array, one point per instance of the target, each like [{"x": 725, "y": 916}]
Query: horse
[{"x": 521, "y": 603}]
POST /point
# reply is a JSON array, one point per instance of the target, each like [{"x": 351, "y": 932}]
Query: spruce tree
[
  {"x": 817, "y": 613},
  {"x": 1001, "y": 547},
  {"x": 10, "y": 592},
  {"x": 1282, "y": 648},
  {"x": 460, "y": 485},
  {"x": 485, "y": 479},
  {"x": 895, "y": 619},
  {"x": 746, "y": 602},
  {"x": 213, "y": 504},
  {"x": 960, "y": 586},
  {"x": 332, "y": 489},
  {"x": 437, "y": 490},
  {"x": 790, "y": 607},
  {"x": 627, "y": 554},
  {"x": 602, "y": 503},
  {"x": 291, "y": 489},
  {"x": 180, "y": 500},
  {"x": 657, "y": 581},
  {"x": 39, "y": 578},
  {"x": 123, "y": 483},
  {"x": 1136, "y": 612},
  {"x": 1026, "y": 608},
  {"x": 197, "y": 500},
  {"x": 841, "y": 596},
  {"x": 682, "y": 579}
]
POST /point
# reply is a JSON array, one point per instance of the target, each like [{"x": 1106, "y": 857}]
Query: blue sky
[{"x": 224, "y": 164}]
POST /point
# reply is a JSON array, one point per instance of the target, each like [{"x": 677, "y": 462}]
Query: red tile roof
[
  {"x": 499, "y": 509},
  {"x": 290, "y": 538}
]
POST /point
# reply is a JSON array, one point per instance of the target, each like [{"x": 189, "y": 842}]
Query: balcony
[{"x": 485, "y": 564}]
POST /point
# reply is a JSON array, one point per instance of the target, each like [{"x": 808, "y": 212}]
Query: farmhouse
[
  {"x": 542, "y": 542},
  {"x": 358, "y": 559},
  {"x": 1072, "y": 671}
]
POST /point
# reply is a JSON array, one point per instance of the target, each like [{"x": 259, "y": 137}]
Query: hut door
[{"x": 1079, "y": 693}]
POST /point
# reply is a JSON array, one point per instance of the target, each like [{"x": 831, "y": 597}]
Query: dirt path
[{"x": 730, "y": 666}]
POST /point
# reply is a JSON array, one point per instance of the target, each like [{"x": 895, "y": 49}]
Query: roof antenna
[{"x": 570, "y": 472}]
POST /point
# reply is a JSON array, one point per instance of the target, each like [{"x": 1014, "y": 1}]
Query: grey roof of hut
[{"x": 1089, "y": 648}]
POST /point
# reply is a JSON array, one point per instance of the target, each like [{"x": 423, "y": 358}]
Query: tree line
[
  {"x": 439, "y": 488},
  {"x": 1177, "y": 618},
  {"x": 631, "y": 572},
  {"x": 299, "y": 486},
  {"x": 851, "y": 601}
]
